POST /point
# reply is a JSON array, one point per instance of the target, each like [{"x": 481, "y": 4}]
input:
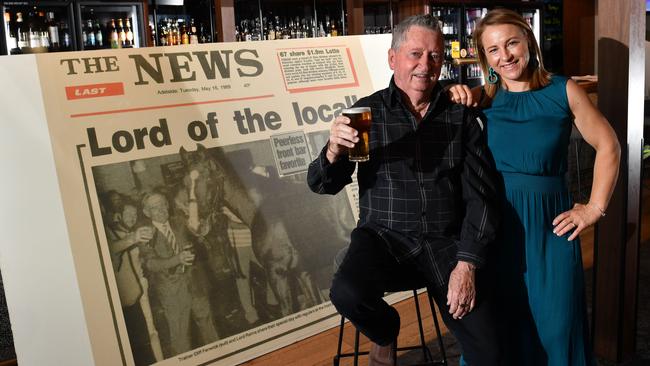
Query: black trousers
[{"x": 368, "y": 271}]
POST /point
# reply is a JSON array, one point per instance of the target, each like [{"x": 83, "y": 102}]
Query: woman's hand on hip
[{"x": 578, "y": 218}]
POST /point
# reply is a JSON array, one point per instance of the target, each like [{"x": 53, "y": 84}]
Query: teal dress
[{"x": 540, "y": 286}]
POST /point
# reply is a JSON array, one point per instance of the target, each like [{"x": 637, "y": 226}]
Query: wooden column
[
  {"x": 225, "y": 18},
  {"x": 621, "y": 76},
  {"x": 578, "y": 37},
  {"x": 355, "y": 16}
]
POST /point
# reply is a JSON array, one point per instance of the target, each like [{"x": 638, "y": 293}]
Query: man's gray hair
[{"x": 423, "y": 20}]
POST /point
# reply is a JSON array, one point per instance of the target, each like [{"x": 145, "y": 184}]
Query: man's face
[
  {"x": 156, "y": 209},
  {"x": 417, "y": 62}
]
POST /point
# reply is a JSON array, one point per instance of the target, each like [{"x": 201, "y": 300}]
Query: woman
[{"x": 538, "y": 262}]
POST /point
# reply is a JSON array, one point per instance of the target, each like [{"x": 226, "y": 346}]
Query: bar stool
[{"x": 428, "y": 358}]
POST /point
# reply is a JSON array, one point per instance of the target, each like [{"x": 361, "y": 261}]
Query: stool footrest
[{"x": 428, "y": 359}]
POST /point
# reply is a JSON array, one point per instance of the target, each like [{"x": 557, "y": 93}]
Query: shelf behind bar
[{"x": 465, "y": 61}]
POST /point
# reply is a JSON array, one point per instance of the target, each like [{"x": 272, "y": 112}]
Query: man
[
  {"x": 427, "y": 202},
  {"x": 178, "y": 285},
  {"x": 124, "y": 242}
]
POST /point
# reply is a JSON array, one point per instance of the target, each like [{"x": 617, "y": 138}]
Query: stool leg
[
  {"x": 441, "y": 345},
  {"x": 356, "y": 347},
  {"x": 337, "y": 358},
  {"x": 419, "y": 315}
]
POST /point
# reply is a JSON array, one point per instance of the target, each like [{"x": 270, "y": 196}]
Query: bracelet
[{"x": 602, "y": 212}]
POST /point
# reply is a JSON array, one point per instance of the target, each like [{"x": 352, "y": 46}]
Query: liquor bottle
[
  {"x": 22, "y": 33},
  {"x": 314, "y": 30},
  {"x": 334, "y": 32},
  {"x": 321, "y": 30},
  {"x": 270, "y": 31},
  {"x": 42, "y": 30},
  {"x": 185, "y": 38},
  {"x": 172, "y": 36},
  {"x": 84, "y": 35},
  {"x": 276, "y": 26},
  {"x": 53, "y": 31},
  {"x": 246, "y": 35},
  {"x": 66, "y": 41},
  {"x": 153, "y": 40},
  {"x": 99, "y": 35},
  {"x": 10, "y": 32},
  {"x": 204, "y": 36},
  {"x": 115, "y": 36},
  {"x": 121, "y": 33},
  {"x": 194, "y": 38},
  {"x": 327, "y": 26},
  {"x": 91, "y": 41},
  {"x": 164, "y": 34},
  {"x": 237, "y": 34},
  {"x": 129, "y": 33},
  {"x": 35, "y": 30}
]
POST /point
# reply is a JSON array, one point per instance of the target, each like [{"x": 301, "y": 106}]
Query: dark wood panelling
[
  {"x": 579, "y": 39},
  {"x": 225, "y": 16},
  {"x": 355, "y": 16}
]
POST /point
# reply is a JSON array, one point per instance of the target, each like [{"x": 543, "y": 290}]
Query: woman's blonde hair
[{"x": 539, "y": 76}]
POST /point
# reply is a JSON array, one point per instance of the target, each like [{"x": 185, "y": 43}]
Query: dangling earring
[{"x": 493, "y": 77}]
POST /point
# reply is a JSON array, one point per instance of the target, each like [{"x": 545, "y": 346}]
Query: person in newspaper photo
[
  {"x": 177, "y": 283},
  {"x": 125, "y": 237},
  {"x": 427, "y": 202}
]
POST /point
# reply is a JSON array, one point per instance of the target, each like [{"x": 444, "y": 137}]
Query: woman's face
[
  {"x": 129, "y": 216},
  {"x": 506, "y": 50}
]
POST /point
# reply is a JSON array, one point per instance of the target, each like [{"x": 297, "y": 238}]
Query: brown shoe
[{"x": 382, "y": 355}]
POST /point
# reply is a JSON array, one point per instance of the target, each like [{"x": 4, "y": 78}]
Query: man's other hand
[{"x": 461, "y": 293}]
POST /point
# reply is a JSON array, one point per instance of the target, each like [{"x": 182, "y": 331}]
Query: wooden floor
[{"x": 319, "y": 349}]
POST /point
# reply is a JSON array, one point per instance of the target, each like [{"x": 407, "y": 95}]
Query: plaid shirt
[{"x": 429, "y": 186}]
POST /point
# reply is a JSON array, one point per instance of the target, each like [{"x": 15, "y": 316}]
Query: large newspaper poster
[{"x": 181, "y": 171}]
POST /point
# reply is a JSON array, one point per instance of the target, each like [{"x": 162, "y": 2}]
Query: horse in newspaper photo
[
  {"x": 208, "y": 190},
  {"x": 276, "y": 211}
]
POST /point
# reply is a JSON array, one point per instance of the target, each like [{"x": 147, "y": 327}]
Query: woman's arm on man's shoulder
[{"x": 462, "y": 94}]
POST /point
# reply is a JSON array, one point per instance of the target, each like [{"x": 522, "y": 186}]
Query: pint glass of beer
[{"x": 360, "y": 119}]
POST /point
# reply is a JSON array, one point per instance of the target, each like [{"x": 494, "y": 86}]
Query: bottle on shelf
[
  {"x": 185, "y": 38},
  {"x": 129, "y": 34},
  {"x": 10, "y": 32},
  {"x": 91, "y": 41},
  {"x": 204, "y": 36},
  {"x": 121, "y": 33},
  {"x": 115, "y": 36},
  {"x": 34, "y": 30},
  {"x": 66, "y": 40},
  {"x": 270, "y": 31},
  {"x": 237, "y": 34},
  {"x": 334, "y": 31},
  {"x": 163, "y": 33},
  {"x": 22, "y": 32},
  {"x": 99, "y": 35},
  {"x": 53, "y": 32},
  {"x": 43, "y": 34},
  {"x": 321, "y": 30},
  {"x": 153, "y": 39},
  {"x": 194, "y": 38}
]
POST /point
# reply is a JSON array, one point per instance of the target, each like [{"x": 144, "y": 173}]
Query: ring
[{"x": 463, "y": 305}]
